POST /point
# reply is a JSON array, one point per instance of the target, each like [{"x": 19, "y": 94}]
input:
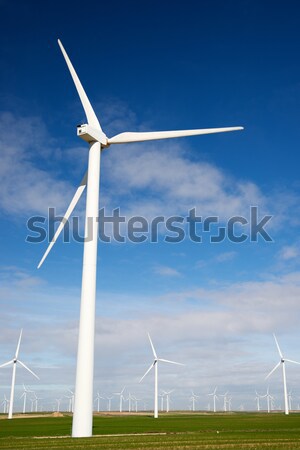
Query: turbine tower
[
  {"x": 193, "y": 399},
  {"x": 167, "y": 394},
  {"x": 24, "y": 394},
  {"x": 155, "y": 365},
  {"x": 257, "y": 398},
  {"x": 282, "y": 363},
  {"x": 121, "y": 398},
  {"x": 92, "y": 133},
  {"x": 14, "y": 362},
  {"x": 215, "y": 397}
]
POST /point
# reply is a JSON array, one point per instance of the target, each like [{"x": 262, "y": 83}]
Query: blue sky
[{"x": 154, "y": 67}]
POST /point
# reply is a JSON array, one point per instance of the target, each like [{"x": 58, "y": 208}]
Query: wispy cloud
[
  {"x": 167, "y": 271},
  {"x": 289, "y": 252}
]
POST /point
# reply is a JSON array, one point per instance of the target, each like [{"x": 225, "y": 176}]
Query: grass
[{"x": 178, "y": 432}]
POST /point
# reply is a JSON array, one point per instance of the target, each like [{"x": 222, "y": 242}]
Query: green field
[{"x": 178, "y": 431}]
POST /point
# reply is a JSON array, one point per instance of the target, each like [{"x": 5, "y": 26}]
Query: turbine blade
[
  {"x": 292, "y": 361},
  {"x": 7, "y": 363},
  {"x": 273, "y": 370},
  {"x": 152, "y": 365},
  {"x": 29, "y": 370},
  {"x": 152, "y": 346},
  {"x": 90, "y": 114},
  {"x": 278, "y": 348},
  {"x": 171, "y": 362},
  {"x": 69, "y": 211},
  {"x": 127, "y": 137},
  {"x": 19, "y": 343}
]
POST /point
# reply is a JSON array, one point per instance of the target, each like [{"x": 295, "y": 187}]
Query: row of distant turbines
[
  {"x": 131, "y": 403},
  {"x": 8, "y": 404}
]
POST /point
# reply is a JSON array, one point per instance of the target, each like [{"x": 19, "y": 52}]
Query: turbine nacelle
[{"x": 91, "y": 134}]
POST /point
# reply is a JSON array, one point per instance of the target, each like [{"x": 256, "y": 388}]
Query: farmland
[{"x": 171, "y": 431}]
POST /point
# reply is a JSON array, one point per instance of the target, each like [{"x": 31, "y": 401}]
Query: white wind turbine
[
  {"x": 58, "y": 402},
  {"x": 290, "y": 398},
  {"x": 161, "y": 395},
  {"x": 155, "y": 365},
  {"x": 71, "y": 400},
  {"x": 109, "y": 403},
  {"x": 257, "y": 398},
  {"x": 282, "y": 363},
  {"x": 14, "y": 362},
  {"x": 193, "y": 399},
  {"x": 215, "y": 397},
  {"x": 167, "y": 394},
  {"x": 5, "y": 404},
  {"x": 130, "y": 398},
  {"x": 92, "y": 133},
  {"x": 25, "y": 392},
  {"x": 225, "y": 401},
  {"x": 97, "y": 399},
  {"x": 269, "y": 398},
  {"x": 121, "y": 398}
]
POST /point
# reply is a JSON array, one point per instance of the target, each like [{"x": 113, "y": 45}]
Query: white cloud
[
  {"x": 289, "y": 252},
  {"x": 167, "y": 271},
  {"x": 159, "y": 178}
]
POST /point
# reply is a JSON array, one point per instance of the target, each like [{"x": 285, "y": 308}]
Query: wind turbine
[
  {"x": 215, "y": 397},
  {"x": 225, "y": 401},
  {"x": 167, "y": 394},
  {"x": 71, "y": 400},
  {"x": 92, "y": 133},
  {"x": 130, "y": 397},
  {"x": 121, "y": 397},
  {"x": 282, "y": 363},
  {"x": 269, "y": 398},
  {"x": 58, "y": 402},
  {"x": 193, "y": 399},
  {"x": 5, "y": 404},
  {"x": 136, "y": 400},
  {"x": 36, "y": 399},
  {"x": 109, "y": 403},
  {"x": 155, "y": 365},
  {"x": 98, "y": 398},
  {"x": 25, "y": 392},
  {"x": 161, "y": 395},
  {"x": 14, "y": 362},
  {"x": 290, "y": 398},
  {"x": 257, "y": 397}
]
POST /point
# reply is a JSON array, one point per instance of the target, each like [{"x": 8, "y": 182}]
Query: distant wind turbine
[
  {"x": 193, "y": 399},
  {"x": 130, "y": 400},
  {"x": 290, "y": 398},
  {"x": 14, "y": 362},
  {"x": 58, "y": 402},
  {"x": 167, "y": 394},
  {"x": 97, "y": 399},
  {"x": 155, "y": 365},
  {"x": 225, "y": 401},
  {"x": 282, "y": 363},
  {"x": 121, "y": 398},
  {"x": 215, "y": 397},
  {"x": 5, "y": 404},
  {"x": 109, "y": 403},
  {"x": 24, "y": 394},
  {"x": 257, "y": 398},
  {"x": 269, "y": 398},
  {"x": 92, "y": 133}
]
